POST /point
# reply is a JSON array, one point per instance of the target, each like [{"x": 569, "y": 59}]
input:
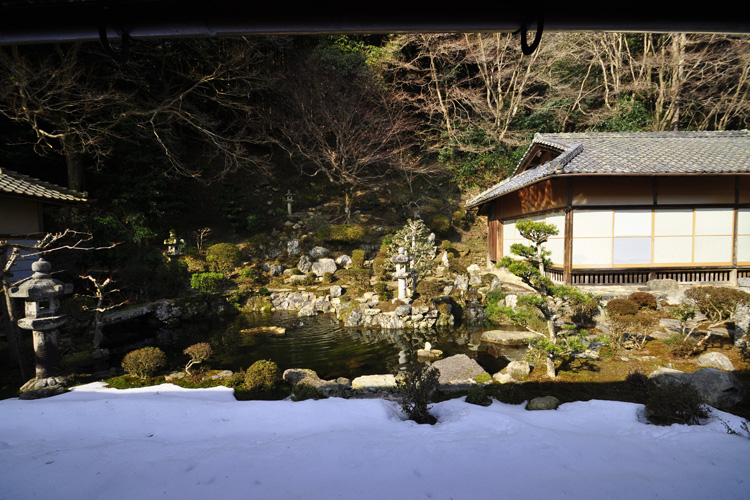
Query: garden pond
[{"x": 319, "y": 343}]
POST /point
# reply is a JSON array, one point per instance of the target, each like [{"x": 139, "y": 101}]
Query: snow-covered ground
[{"x": 174, "y": 443}]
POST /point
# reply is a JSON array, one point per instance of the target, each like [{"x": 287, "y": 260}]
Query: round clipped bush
[
  {"x": 144, "y": 362},
  {"x": 622, "y": 307},
  {"x": 304, "y": 391},
  {"x": 207, "y": 282},
  {"x": 429, "y": 290},
  {"x": 262, "y": 375},
  {"x": 644, "y": 300},
  {"x": 346, "y": 233},
  {"x": 358, "y": 259},
  {"x": 440, "y": 224},
  {"x": 223, "y": 258}
]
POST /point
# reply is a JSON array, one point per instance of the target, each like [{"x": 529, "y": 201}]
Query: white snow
[{"x": 167, "y": 442}]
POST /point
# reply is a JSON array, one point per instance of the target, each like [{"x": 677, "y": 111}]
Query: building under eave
[
  {"x": 631, "y": 206},
  {"x": 22, "y": 199}
]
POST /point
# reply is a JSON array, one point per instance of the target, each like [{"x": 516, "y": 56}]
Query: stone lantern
[
  {"x": 41, "y": 295},
  {"x": 174, "y": 244},
  {"x": 400, "y": 260},
  {"x": 289, "y": 201}
]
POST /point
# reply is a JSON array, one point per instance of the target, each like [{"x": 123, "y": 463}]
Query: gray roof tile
[
  {"x": 16, "y": 184},
  {"x": 648, "y": 153}
]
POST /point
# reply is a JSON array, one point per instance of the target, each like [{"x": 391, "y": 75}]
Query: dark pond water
[{"x": 319, "y": 343}]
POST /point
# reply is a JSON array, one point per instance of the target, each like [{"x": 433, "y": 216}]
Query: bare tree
[
  {"x": 196, "y": 99},
  {"x": 344, "y": 128},
  {"x": 59, "y": 93},
  {"x": 102, "y": 290}
]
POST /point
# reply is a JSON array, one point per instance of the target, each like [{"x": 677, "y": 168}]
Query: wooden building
[
  {"x": 22, "y": 199},
  {"x": 631, "y": 206}
]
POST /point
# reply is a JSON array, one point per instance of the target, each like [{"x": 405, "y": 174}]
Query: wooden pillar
[
  {"x": 568, "y": 243},
  {"x": 735, "y": 230}
]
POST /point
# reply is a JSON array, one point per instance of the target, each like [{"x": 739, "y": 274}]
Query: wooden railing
[{"x": 641, "y": 276}]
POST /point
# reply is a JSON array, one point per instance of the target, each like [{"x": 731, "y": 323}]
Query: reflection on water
[{"x": 320, "y": 343}]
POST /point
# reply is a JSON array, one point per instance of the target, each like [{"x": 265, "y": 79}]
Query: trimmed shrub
[
  {"x": 415, "y": 389},
  {"x": 385, "y": 293},
  {"x": 429, "y": 290},
  {"x": 455, "y": 266},
  {"x": 674, "y": 403},
  {"x": 440, "y": 224},
  {"x": 198, "y": 354},
  {"x": 346, "y": 233},
  {"x": 223, "y": 258},
  {"x": 207, "y": 282},
  {"x": 356, "y": 277},
  {"x": 476, "y": 395},
  {"x": 310, "y": 279},
  {"x": 247, "y": 273},
  {"x": 304, "y": 391},
  {"x": 255, "y": 222},
  {"x": 622, "y": 307},
  {"x": 358, "y": 259},
  {"x": 262, "y": 376},
  {"x": 379, "y": 267},
  {"x": 644, "y": 300},
  {"x": 144, "y": 362}
]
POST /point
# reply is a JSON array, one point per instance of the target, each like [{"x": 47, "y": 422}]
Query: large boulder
[
  {"x": 304, "y": 264},
  {"x": 344, "y": 261},
  {"x": 719, "y": 389},
  {"x": 292, "y": 247},
  {"x": 543, "y": 403},
  {"x": 461, "y": 283},
  {"x": 319, "y": 252},
  {"x": 322, "y": 266},
  {"x": 516, "y": 371},
  {"x": 458, "y": 372},
  {"x": 715, "y": 360},
  {"x": 331, "y": 388}
]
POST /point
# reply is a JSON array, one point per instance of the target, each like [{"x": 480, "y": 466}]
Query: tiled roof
[
  {"x": 16, "y": 184},
  {"x": 628, "y": 153}
]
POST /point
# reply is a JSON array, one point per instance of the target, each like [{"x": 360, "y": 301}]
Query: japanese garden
[{"x": 415, "y": 220}]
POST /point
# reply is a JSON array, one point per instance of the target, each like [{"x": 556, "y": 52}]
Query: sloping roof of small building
[
  {"x": 629, "y": 153},
  {"x": 15, "y": 184}
]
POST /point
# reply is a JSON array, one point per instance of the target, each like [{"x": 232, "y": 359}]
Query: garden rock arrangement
[
  {"x": 717, "y": 388},
  {"x": 365, "y": 311},
  {"x": 459, "y": 372}
]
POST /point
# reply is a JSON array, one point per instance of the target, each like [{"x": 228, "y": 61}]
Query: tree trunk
[
  {"x": 74, "y": 163},
  {"x": 553, "y": 339},
  {"x": 678, "y": 58},
  {"x": 551, "y": 367}
]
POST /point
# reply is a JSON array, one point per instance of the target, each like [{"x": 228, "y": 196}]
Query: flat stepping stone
[{"x": 514, "y": 338}]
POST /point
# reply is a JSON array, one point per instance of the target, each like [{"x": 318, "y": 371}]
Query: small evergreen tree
[
  {"x": 419, "y": 244},
  {"x": 550, "y": 299}
]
